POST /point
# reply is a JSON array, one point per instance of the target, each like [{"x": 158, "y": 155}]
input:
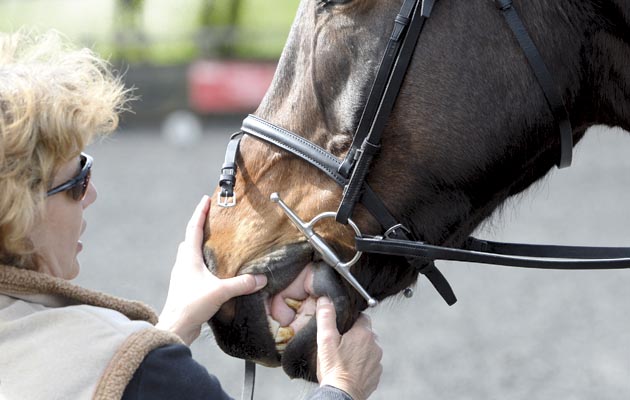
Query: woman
[{"x": 58, "y": 340}]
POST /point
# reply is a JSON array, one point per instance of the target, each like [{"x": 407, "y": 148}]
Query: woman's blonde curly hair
[{"x": 54, "y": 100}]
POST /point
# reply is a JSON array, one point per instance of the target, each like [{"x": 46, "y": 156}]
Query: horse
[{"x": 469, "y": 129}]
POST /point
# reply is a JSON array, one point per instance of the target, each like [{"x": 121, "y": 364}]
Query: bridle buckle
[
  {"x": 392, "y": 231},
  {"x": 225, "y": 200}
]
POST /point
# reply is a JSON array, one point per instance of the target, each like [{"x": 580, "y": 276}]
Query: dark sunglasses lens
[{"x": 78, "y": 191}]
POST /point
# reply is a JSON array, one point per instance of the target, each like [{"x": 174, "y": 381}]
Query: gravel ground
[{"x": 514, "y": 334}]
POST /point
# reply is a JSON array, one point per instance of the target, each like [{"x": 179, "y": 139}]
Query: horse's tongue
[{"x": 295, "y": 301}]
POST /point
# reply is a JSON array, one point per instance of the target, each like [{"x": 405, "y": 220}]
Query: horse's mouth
[
  {"x": 286, "y": 333},
  {"x": 291, "y": 309},
  {"x": 291, "y": 298}
]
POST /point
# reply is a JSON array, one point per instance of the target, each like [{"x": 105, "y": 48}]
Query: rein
[{"x": 351, "y": 173}]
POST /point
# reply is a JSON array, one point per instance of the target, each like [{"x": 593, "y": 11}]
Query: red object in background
[{"x": 228, "y": 86}]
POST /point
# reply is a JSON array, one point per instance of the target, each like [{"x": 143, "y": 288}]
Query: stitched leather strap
[
  {"x": 289, "y": 141},
  {"x": 546, "y": 257},
  {"x": 546, "y": 251}
]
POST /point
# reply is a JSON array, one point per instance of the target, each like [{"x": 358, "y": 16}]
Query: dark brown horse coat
[{"x": 470, "y": 128}]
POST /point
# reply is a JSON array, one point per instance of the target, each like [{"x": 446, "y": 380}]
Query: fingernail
[
  {"x": 323, "y": 300},
  {"x": 261, "y": 281}
]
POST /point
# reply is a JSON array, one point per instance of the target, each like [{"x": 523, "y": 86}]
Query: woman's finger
[
  {"x": 239, "y": 286},
  {"x": 194, "y": 229},
  {"x": 327, "y": 333}
]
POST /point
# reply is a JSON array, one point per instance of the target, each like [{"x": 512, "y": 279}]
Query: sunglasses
[{"x": 76, "y": 187}]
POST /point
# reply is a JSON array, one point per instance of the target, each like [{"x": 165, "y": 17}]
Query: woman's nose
[{"x": 90, "y": 196}]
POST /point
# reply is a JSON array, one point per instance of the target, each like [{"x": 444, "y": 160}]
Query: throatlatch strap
[
  {"x": 378, "y": 86},
  {"x": 385, "y": 89},
  {"x": 544, "y": 78}
]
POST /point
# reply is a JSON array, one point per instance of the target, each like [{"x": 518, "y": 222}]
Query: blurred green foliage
[{"x": 161, "y": 32}]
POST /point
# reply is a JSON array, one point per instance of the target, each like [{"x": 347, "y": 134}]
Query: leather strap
[
  {"x": 547, "y": 257},
  {"x": 249, "y": 381},
  {"x": 227, "y": 178},
  {"x": 398, "y": 231},
  {"x": 386, "y": 65},
  {"x": 391, "y": 74},
  {"x": 544, "y": 78},
  {"x": 297, "y": 145},
  {"x": 546, "y": 251}
]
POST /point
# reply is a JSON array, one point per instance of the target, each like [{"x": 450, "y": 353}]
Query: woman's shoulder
[
  {"x": 73, "y": 321},
  {"x": 66, "y": 348},
  {"x": 77, "y": 347},
  {"x": 49, "y": 291}
]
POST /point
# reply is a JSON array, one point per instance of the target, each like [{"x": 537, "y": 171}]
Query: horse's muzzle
[{"x": 244, "y": 327}]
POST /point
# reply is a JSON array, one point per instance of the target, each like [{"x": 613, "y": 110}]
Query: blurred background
[
  {"x": 204, "y": 56},
  {"x": 199, "y": 66}
]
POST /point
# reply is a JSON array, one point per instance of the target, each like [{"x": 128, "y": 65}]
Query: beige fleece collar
[{"x": 45, "y": 289}]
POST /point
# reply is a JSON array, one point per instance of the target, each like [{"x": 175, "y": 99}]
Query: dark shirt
[{"x": 170, "y": 372}]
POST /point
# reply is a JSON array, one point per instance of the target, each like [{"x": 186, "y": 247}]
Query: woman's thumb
[
  {"x": 327, "y": 333},
  {"x": 242, "y": 285}
]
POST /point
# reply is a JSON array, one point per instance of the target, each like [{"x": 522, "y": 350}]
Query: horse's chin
[
  {"x": 292, "y": 321},
  {"x": 277, "y": 325}
]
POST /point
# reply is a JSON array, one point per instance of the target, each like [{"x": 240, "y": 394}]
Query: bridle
[{"x": 351, "y": 171}]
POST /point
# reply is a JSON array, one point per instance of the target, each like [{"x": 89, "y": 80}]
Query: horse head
[{"x": 470, "y": 128}]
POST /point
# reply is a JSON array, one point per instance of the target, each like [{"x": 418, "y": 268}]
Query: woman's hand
[
  {"x": 194, "y": 293},
  {"x": 351, "y": 362}
]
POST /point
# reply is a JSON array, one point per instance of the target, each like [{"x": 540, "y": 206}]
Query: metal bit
[{"x": 327, "y": 253}]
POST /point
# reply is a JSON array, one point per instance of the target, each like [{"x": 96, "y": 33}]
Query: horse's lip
[
  {"x": 242, "y": 327},
  {"x": 281, "y": 266}
]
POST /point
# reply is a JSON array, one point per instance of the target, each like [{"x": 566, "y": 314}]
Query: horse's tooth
[
  {"x": 273, "y": 326},
  {"x": 293, "y": 304},
  {"x": 280, "y": 347},
  {"x": 285, "y": 333}
]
